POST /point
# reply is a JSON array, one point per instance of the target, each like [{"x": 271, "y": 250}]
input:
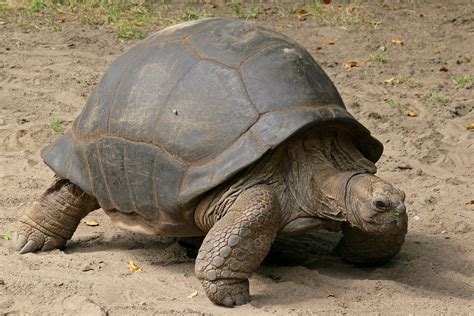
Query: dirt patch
[{"x": 47, "y": 73}]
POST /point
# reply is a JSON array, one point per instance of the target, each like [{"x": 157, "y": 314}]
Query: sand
[{"x": 45, "y": 74}]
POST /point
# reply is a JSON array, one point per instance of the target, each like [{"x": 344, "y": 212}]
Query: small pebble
[
  {"x": 416, "y": 218},
  {"x": 87, "y": 267},
  {"x": 404, "y": 166}
]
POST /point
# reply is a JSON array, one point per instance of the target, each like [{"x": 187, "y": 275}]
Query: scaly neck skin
[{"x": 319, "y": 193}]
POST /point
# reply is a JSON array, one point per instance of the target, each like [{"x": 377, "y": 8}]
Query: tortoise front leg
[
  {"x": 54, "y": 217},
  {"x": 236, "y": 245}
]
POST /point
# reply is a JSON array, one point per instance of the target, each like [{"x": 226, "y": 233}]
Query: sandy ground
[{"x": 46, "y": 74}]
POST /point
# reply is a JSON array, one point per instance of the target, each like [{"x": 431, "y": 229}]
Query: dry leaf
[
  {"x": 193, "y": 294},
  {"x": 91, "y": 223},
  {"x": 397, "y": 42},
  {"x": 316, "y": 48},
  {"x": 332, "y": 42},
  {"x": 470, "y": 126},
  {"x": 329, "y": 293},
  {"x": 412, "y": 114},
  {"x": 133, "y": 267},
  {"x": 389, "y": 80},
  {"x": 326, "y": 1},
  {"x": 471, "y": 202},
  {"x": 443, "y": 69},
  {"x": 302, "y": 17},
  {"x": 351, "y": 64}
]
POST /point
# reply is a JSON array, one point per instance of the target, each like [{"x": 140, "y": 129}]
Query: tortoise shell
[{"x": 187, "y": 108}]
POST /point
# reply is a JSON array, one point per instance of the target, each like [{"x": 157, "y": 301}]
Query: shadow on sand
[{"x": 418, "y": 265}]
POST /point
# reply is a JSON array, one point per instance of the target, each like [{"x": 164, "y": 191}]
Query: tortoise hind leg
[{"x": 54, "y": 217}]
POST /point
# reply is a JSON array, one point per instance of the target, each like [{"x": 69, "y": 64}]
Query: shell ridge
[
  {"x": 248, "y": 96},
  {"x": 192, "y": 48},
  {"x": 218, "y": 62}
]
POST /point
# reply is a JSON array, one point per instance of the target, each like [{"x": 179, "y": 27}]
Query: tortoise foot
[
  {"x": 227, "y": 292},
  {"x": 54, "y": 217},
  {"x": 32, "y": 237}
]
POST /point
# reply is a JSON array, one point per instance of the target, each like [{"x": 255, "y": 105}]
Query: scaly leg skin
[
  {"x": 361, "y": 248},
  {"x": 236, "y": 245},
  {"x": 54, "y": 217}
]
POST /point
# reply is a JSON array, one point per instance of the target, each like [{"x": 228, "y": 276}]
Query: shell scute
[
  {"x": 212, "y": 111},
  {"x": 139, "y": 166},
  {"x": 152, "y": 76},
  {"x": 110, "y": 153},
  {"x": 285, "y": 75}
]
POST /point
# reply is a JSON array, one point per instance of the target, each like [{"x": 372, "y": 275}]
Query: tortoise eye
[{"x": 381, "y": 204}]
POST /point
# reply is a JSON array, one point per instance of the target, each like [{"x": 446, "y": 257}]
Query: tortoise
[{"x": 221, "y": 129}]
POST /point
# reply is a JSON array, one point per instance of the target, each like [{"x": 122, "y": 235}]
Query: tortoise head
[{"x": 374, "y": 205}]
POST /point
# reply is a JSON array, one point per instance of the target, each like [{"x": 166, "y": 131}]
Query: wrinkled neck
[
  {"x": 320, "y": 169},
  {"x": 330, "y": 191}
]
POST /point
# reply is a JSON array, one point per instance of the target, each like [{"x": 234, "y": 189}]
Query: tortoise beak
[{"x": 400, "y": 209}]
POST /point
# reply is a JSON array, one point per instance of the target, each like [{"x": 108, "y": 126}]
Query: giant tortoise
[{"x": 221, "y": 129}]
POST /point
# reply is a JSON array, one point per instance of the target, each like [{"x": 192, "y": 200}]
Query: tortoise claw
[
  {"x": 30, "y": 246},
  {"x": 20, "y": 242},
  {"x": 31, "y": 239}
]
